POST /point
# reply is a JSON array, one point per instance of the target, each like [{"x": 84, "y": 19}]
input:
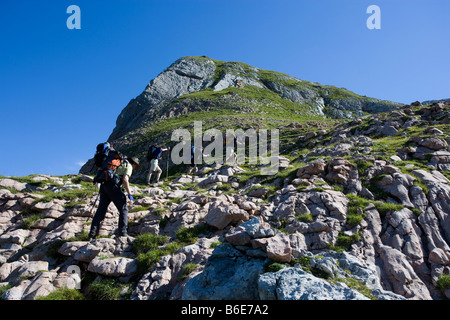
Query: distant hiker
[
  {"x": 230, "y": 149},
  {"x": 154, "y": 153},
  {"x": 195, "y": 157},
  {"x": 193, "y": 165},
  {"x": 118, "y": 170}
]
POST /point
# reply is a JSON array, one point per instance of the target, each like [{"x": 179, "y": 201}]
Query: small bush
[
  {"x": 353, "y": 214},
  {"x": 28, "y": 222},
  {"x": 347, "y": 241},
  {"x": 104, "y": 290},
  {"x": 147, "y": 241},
  {"x": 273, "y": 267},
  {"x": 159, "y": 211},
  {"x": 443, "y": 282},
  {"x": 4, "y": 288},
  {"x": 146, "y": 260},
  {"x": 363, "y": 166},
  {"x": 187, "y": 269}
]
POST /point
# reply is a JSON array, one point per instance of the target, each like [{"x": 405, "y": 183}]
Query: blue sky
[{"x": 62, "y": 90}]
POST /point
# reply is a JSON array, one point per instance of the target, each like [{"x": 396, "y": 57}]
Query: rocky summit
[{"x": 358, "y": 210}]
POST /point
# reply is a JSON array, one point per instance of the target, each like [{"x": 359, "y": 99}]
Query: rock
[
  {"x": 187, "y": 205},
  {"x": 238, "y": 238},
  {"x": 70, "y": 248},
  {"x": 259, "y": 192},
  {"x": 113, "y": 267},
  {"x": 315, "y": 168},
  {"x": 388, "y": 130},
  {"x": 16, "y": 292},
  {"x": 439, "y": 256},
  {"x": 16, "y": 236},
  {"x": 296, "y": 284},
  {"x": 40, "y": 286},
  {"x": 25, "y": 270},
  {"x": 228, "y": 275},
  {"x": 401, "y": 275},
  {"x": 434, "y": 143},
  {"x": 398, "y": 185},
  {"x": 278, "y": 248},
  {"x": 220, "y": 215}
]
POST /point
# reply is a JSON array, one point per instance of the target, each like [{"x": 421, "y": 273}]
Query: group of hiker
[{"x": 114, "y": 172}]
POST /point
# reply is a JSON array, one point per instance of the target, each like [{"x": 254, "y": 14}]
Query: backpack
[
  {"x": 153, "y": 153},
  {"x": 107, "y": 160}
]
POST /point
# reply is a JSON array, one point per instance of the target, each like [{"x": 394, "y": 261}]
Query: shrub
[
  {"x": 443, "y": 282},
  {"x": 347, "y": 241},
  {"x": 187, "y": 269},
  {"x": 273, "y": 267},
  {"x": 353, "y": 214},
  {"x": 146, "y": 260},
  {"x": 147, "y": 241},
  {"x": 104, "y": 290},
  {"x": 29, "y": 221},
  {"x": 363, "y": 166}
]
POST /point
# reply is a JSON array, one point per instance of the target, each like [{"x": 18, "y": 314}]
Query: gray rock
[
  {"x": 296, "y": 284},
  {"x": 113, "y": 267},
  {"x": 228, "y": 275}
]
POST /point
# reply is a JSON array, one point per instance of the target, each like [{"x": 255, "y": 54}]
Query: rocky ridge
[{"x": 357, "y": 212}]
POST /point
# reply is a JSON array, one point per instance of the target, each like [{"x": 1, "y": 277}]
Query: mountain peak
[{"x": 196, "y": 74}]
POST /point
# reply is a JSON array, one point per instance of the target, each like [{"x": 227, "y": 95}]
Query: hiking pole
[
  {"x": 93, "y": 205},
  {"x": 167, "y": 163}
]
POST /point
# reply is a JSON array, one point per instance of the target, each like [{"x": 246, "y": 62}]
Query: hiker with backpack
[
  {"x": 114, "y": 171},
  {"x": 231, "y": 149},
  {"x": 153, "y": 155}
]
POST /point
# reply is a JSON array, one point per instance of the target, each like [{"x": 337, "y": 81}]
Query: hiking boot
[
  {"x": 92, "y": 234},
  {"x": 122, "y": 233}
]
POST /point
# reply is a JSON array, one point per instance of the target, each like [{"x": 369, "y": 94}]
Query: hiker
[
  {"x": 193, "y": 165},
  {"x": 154, "y": 153},
  {"x": 111, "y": 191},
  {"x": 230, "y": 150}
]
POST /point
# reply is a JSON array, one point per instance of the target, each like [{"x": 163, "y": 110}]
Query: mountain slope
[
  {"x": 359, "y": 211},
  {"x": 231, "y": 95}
]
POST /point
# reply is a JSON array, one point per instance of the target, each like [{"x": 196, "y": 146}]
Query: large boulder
[{"x": 228, "y": 275}]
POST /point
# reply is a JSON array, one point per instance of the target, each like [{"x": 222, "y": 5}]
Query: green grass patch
[
  {"x": 345, "y": 242},
  {"x": 187, "y": 236},
  {"x": 187, "y": 269},
  {"x": 356, "y": 205},
  {"x": 384, "y": 207},
  {"x": 30, "y": 221},
  {"x": 64, "y": 294},
  {"x": 357, "y": 285}
]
